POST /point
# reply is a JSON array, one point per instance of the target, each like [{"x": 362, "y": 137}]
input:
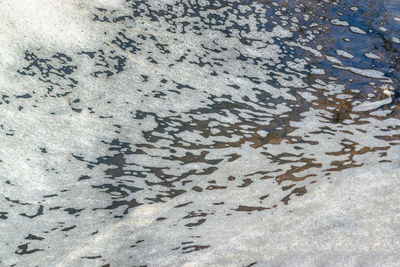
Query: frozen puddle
[{"x": 199, "y": 133}]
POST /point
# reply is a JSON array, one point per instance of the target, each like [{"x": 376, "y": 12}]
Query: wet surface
[{"x": 165, "y": 121}]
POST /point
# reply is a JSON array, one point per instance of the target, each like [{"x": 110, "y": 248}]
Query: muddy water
[{"x": 165, "y": 120}]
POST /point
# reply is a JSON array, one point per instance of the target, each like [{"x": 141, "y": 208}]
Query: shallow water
[{"x": 158, "y": 132}]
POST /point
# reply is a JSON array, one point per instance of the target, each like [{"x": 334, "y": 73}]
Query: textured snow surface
[{"x": 199, "y": 133}]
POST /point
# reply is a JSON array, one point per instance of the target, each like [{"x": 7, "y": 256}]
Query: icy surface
[{"x": 199, "y": 133}]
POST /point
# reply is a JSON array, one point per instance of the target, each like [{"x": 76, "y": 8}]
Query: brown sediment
[
  {"x": 199, "y": 222},
  {"x": 298, "y": 192},
  {"x": 249, "y": 208},
  {"x": 349, "y": 148},
  {"x": 289, "y": 175}
]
